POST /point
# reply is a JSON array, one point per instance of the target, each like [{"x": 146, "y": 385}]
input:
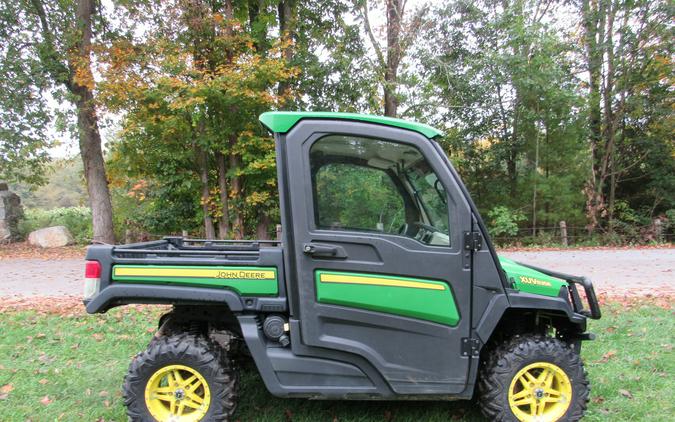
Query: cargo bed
[{"x": 244, "y": 274}]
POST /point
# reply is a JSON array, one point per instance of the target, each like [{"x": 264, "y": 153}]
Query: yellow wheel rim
[
  {"x": 540, "y": 392},
  {"x": 177, "y": 393}
]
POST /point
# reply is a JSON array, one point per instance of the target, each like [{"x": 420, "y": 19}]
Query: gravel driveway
[
  {"x": 39, "y": 277},
  {"x": 618, "y": 271},
  {"x": 614, "y": 271}
]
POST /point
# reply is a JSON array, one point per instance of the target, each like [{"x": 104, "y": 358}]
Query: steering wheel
[
  {"x": 419, "y": 230},
  {"x": 426, "y": 227}
]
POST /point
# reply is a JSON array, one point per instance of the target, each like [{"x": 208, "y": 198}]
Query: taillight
[
  {"x": 92, "y": 269},
  {"x": 92, "y": 279}
]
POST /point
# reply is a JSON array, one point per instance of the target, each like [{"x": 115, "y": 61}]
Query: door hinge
[
  {"x": 473, "y": 241},
  {"x": 470, "y": 346}
]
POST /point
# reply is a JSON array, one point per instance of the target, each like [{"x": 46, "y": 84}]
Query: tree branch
[
  {"x": 369, "y": 31},
  {"x": 56, "y": 67},
  {"x": 415, "y": 25}
]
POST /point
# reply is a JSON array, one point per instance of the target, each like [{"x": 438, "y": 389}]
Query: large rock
[
  {"x": 10, "y": 214},
  {"x": 51, "y": 237}
]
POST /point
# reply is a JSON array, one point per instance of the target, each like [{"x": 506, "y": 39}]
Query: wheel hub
[
  {"x": 177, "y": 392},
  {"x": 540, "y": 391}
]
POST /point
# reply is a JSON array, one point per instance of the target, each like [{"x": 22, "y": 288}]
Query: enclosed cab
[{"x": 385, "y": 285}]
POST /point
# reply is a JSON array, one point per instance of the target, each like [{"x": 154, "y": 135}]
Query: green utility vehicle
[{"x": 384, "y": 285}]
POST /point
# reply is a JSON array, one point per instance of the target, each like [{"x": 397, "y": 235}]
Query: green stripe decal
[
  {"x": 247, "y": 281},
  {"x": 428, "y": 300}
]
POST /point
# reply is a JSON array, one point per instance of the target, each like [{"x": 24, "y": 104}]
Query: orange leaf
[{"x": 607, "y": 356}]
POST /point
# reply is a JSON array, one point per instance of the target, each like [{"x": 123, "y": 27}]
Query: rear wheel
[
  {"x": 533, "y": 378},
  {"x": 180, "y": 377}
]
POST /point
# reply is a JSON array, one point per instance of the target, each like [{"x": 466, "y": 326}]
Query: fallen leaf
[
  {"x": 97, "y": 336},
  {"x": 598, "y": 399},
  {"x": 40, "y": 335},
  {"x": 103, "y": 393},
  {"x": 43, "y": 381},
  {"x": 625, "y": 393},
  {"x": 6, "y": 388},
  {"x": 46, "y": 400},
  {"x": 607, "y": 356},
  {"x": 106, "y": 403}
]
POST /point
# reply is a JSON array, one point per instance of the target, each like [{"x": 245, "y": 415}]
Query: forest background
[{"x": 553, "y": 111}]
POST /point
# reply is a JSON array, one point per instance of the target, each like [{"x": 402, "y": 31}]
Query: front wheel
[
  {"x": 180, "y": 377},
  {"x": 533, "y": 378}
]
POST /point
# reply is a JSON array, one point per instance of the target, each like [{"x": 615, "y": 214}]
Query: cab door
[{"x": 378, "y": 271}]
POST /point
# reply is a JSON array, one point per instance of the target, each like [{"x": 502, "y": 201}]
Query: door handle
[{"x": 324, "y": 251}]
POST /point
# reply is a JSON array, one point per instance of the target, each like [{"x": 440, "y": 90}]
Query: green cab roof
[{"x": 283, "y": 121}]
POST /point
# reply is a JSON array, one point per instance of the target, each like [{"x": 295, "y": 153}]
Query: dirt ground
[{"x": 26, "y": 272}]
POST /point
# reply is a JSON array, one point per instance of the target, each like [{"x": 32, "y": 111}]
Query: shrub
[
  {"x": 503, "y": 221},
  {"x": 76, "y": 219}
]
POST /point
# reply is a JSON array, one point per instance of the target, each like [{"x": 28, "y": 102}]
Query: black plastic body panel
[
  {"x": 121, "y": 294},
  {"x": 288, "y": 375}
]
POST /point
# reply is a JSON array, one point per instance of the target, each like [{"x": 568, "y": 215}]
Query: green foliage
[
  {"x": 155, "y": 209},
  {"x": 24, "y": 112},
  {"x": 503, "y": 221},
  {"x": 76, "y": 219},
  {"x": 203, "y": 80},
  {"x": 64, "y": 187},
  {"x": 504, "y": 81}
]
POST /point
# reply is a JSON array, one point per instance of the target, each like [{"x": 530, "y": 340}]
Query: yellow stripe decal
[
  {"x": 378, "y": 281},
  {"x": 222, "y": 273}
]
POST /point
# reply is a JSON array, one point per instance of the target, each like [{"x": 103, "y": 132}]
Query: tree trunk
[
  {"x": 203, "y": 163},
  {"x": 394, "y": 19},
  {"x": 238, "y": 226},
  {"x": 608, "y": 93},
  {"x": 224, "y": 222},
  {"x": 287, "y": 26},
  {"x": 262, "y": 229},
  {"x": 89, "y": 136},
  {"x": 593, "y": 23},
  {"x": 534, "y": 186}
]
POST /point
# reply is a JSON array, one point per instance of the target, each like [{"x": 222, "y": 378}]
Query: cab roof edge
[{"x": 283, "y": 121}]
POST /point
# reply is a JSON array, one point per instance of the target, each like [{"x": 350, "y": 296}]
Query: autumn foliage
[{"x": 191, "y": 92}]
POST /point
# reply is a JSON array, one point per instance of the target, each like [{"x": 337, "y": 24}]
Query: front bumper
[{"x": 593, "y": 309}]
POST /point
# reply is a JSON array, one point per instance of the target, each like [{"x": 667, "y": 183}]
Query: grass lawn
[{"x": 70, "y": 367}]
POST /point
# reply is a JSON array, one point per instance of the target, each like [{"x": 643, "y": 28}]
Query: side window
[
  {"x": 357, "y": 197},
  {"x": 375, "y": 185}
]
